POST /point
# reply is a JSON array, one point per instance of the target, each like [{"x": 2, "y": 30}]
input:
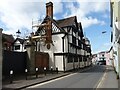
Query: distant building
[
  {"x": 108, "y": 59},
  {"x": 102, "y": 58},
  {"x": 94, "y": 59}
]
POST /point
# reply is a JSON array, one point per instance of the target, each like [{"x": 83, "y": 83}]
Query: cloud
[
  {"x": 85, "y": 8},
  {"x": 19, "y": 15},
  {"x": 107, "y": 44},
  {"x": 86, "y": 22}
]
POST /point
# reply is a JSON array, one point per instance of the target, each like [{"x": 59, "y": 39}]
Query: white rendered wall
[
  {"x": 55, "y": 48},
  {"x": 59, "y": 62}
]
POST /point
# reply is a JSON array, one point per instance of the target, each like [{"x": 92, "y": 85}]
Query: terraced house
[{"x": 67, "y": 47}]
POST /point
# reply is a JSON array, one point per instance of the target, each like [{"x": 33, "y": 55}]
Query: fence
[{"x": 15, "y": 61}]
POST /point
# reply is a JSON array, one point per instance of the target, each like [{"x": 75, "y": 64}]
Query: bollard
[
  {"x": 45, "y": 70},
  {"x": 26, "y": 73},
  {"x": 52, "y": 70},
  {"x": 57, "y": 70},
  {"x": 11, "y": 76},
  {"x": 36, "y": 72}
]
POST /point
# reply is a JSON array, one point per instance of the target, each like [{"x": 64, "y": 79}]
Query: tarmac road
[{"x": 87, "y": 79}]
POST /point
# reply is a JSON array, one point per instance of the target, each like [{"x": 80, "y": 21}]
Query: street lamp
[{"x": 18, "y": 33}]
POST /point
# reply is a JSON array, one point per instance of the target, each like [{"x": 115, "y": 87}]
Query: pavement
[
  {"x": 109, "y": 79},
  {"x": 21, "y": 82}
]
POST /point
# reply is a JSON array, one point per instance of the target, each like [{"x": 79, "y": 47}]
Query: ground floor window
[
  {"x": 70, "y": 59},
  {"x": 75, "y": 59},
  {"x": 80, "y": 58}
]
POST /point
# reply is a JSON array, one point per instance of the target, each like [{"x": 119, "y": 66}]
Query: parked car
[{"x": 102, "y": 62}]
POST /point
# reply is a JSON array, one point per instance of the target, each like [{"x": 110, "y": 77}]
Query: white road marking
[
  {"x": 51, "y": 81},
  {"x": 101, "y": 81}
]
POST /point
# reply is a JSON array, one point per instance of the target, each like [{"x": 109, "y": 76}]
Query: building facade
[
  {"x": 115, "y": 35},
  {"x": 103, "y": 58},
  {"x": 69, "y": 49}
]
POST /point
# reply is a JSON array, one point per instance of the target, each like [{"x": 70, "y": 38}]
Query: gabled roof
[
  {"x": 7, "y": 38},
  {"x": 66, "y": 22},
  {"x": 20, "y": 40},
  {"x": 70, "y": 21},
  {"x": 53, "y": 21}
]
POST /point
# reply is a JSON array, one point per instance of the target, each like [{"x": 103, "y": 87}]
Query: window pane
[{"x": 17, "y": 47}]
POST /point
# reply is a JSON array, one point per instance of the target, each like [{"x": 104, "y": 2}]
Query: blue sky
[{"x": 94, "y": 16}]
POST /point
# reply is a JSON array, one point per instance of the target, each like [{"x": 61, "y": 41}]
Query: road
[{"x": 87, "y": 79}]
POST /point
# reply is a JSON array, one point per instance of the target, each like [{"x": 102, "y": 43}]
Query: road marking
[
  {"x": 51, "y": 81},
  {"x": 100, "y": 82}
]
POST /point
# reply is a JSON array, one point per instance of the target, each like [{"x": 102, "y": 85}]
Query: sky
[{"x": 93, "y": 14}]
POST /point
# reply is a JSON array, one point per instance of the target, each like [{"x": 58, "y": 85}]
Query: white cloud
[
  {"x": 19, "y": 15},
  {"x": 85, "y": 8},
  {"x": 107, "y": 44},
  {"x": 86, "y": 22}
]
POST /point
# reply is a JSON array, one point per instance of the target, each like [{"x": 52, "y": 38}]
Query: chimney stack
[
  {"x": 49, "y": 9},
  {"x": 49, "y": 13}
]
